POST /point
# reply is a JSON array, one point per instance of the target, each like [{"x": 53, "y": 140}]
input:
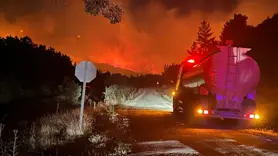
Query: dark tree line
[{"x": 28, "y": 68}]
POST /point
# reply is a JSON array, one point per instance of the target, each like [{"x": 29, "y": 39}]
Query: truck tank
[{"x": 231, "y": 75}]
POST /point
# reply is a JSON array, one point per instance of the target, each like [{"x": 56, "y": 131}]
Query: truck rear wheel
[
  {"x": 176, "y": 111},
  {"x": 195, "y": 121},
  {"x": 248, "y": 105},
  {"x": 246, "y": 124}
]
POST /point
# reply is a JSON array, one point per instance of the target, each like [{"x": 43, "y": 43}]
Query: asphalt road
[{"x": 160, "y": 133}]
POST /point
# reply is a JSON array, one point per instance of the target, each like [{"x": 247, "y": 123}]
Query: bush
[
  {"x": 106, "y": 131},
  {"x": 115, "y": 94},
  {"x": 9, "y": 147},
  {"x": 69, "y": 91},
  {"x": 58, "y": 128},
  {"x": 110, "y": 132},
  {"x": 100, "y": 144}
]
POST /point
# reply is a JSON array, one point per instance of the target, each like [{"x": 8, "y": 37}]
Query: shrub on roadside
[
  {"x": 116, "y": 94},
  {"x": 111, "y": 133},
  {"x": 106, "y": 129},
  {"x": 104, "y": 145},
  {"x": 9, "y": 147},
  {"x": 58, "y": 128},
  {"x": 69, "y": 91}
]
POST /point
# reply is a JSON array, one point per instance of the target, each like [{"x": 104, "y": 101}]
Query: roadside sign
[{"x": 85, "y": 72}]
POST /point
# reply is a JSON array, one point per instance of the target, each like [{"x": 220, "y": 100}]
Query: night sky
[{"x": 152, "y": 33}]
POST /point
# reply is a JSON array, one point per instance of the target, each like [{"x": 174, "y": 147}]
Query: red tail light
[{"x": 206, "y": 112}]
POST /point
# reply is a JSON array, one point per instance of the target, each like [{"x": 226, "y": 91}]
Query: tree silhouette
[
  {"x": 237, "y": 30},
  {"x": 264, "y": 47},
  {"x": 32, "y": 66},
  {"x": 205, "y": 42},
  {"x": 113, "y": 12},
  {"x": 170, "y": 73}
]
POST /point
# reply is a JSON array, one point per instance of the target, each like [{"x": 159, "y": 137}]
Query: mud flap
[{"x": 247, "y": 124}]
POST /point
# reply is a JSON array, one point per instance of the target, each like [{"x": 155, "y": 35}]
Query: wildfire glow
[{"x": 147, "y": 38}]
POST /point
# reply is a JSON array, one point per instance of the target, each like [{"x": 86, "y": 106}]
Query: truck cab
[{"x": 223, "y": 86}]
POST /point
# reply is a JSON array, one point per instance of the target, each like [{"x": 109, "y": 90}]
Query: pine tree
[
  {"x": 205, "y": 41},
  {"x": 205, "y": 38}
]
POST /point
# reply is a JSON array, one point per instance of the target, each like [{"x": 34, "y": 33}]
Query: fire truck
[{"x": 221, "y": 85}]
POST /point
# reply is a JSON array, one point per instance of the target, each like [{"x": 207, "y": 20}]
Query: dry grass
[
  {"x": 112, "y": 141},
  {"x": 107, "y": 130},
  {"x": 9, "y": 147},
  {"x": 63, "y": 127},
  {"x": 116, "y": 95},
  {"x": 58, "y": 128}
]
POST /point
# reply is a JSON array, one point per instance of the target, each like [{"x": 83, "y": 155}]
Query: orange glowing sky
[{"x": 152, "y": 33}]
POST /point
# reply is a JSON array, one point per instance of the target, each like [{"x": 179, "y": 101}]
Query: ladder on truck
[{"x": 231, "y": 77}]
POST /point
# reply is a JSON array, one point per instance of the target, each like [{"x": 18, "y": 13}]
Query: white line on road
[
  {"x": 183, "y": 151},
  {"x": 230, "y": 146},
  {"x": 259, "y": 151},
  {"x": 220, "y": 140},
  {"x": 162, "y": 143},
  {"x": 165, "y": 147}
]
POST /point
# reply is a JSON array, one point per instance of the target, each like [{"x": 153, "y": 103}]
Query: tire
[
  {"x": 245, "y": 124},
  {"x": 191, "y": 119},
  {"x": 175, "y": 111},
  {"x": 248, "y": 105},
  {"x": 176, "y": 106}
]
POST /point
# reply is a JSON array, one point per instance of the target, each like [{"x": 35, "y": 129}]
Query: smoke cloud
[{"x": 152, "y": 33}]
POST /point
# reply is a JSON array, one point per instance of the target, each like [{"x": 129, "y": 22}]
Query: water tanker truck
[{"x": 222, "y": 85}]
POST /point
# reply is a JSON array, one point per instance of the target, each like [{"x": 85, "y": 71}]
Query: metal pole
[{"x": 83, "y": 98}]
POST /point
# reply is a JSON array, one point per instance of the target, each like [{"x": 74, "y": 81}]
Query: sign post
[{"x": 85, "y": 72}]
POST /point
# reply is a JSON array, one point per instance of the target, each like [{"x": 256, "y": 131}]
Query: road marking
[
  {"x": 258, "y": 150},
  {"x": 165, "y": 147},
  {"x": 220, "y": 140},
  {"x": 232, "y": 147}
]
